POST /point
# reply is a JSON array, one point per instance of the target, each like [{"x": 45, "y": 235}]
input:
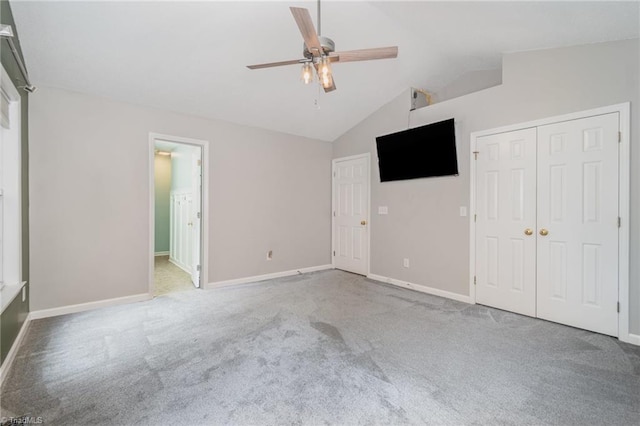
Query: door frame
[
  {"x": 623, "y": 109},
  {"x": 366, "y": 156},
  {"x": 204, "y": 204}
]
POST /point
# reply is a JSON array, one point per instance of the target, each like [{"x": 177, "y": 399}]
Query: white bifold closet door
[{"x": 547, "y": 222}]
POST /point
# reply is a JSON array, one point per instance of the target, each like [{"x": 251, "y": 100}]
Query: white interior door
[
  {"x": 506, "y": 221},
  {"x": 196, "y": 216},
  {"x": 187, "y": 241},
  {"x": 351, "y": 214},
  {"x": 578, "y": 215}
]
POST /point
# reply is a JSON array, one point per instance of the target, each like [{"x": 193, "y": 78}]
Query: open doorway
[{"x": 176, "y": 213}]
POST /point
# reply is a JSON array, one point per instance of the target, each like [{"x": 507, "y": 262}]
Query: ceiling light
[
  {"x": 307, "y": 73},
  {"x": 324, "y": 72}
]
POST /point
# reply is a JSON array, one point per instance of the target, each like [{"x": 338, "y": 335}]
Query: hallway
[{"x": 169, "y": 278}]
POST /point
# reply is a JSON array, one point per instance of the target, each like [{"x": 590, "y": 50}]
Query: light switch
[
  {"x": 463, "y": 210},
  {"x": 383, "y": 210}
]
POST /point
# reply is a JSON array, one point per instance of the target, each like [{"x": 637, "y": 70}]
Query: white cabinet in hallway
[
  {"x": 547, "y": 224},
  {"x": 182, "y": 215}
]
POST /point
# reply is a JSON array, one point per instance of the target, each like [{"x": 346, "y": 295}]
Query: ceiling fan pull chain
[{"x": 316, "y": 101}]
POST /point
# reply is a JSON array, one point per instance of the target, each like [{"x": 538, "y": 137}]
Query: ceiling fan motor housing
[{"x": 327, "y": 45}]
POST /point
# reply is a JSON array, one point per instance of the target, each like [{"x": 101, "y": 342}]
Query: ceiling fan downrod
[{"x": 319, "y": 26}]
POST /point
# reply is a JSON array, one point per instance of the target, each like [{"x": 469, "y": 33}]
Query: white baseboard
[
  {"x": 237, "y": 281},
  {"x": 161, "y": 253},
  {"x": 422, "y": 288},
  {"x": 180, "y": 265},
  {"x": 70, "y": 309},
  {"x": 634, "y": 339},
  {"x": 8, "y": 361}
]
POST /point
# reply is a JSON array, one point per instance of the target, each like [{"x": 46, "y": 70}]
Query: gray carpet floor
[{"x": 322, "y": 348}]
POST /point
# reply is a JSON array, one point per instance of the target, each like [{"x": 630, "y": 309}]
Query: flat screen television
[{"x": 421, "y": 152}]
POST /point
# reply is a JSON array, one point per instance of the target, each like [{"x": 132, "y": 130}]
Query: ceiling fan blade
[
  {"x": 273, "y": 64},
  {"x": 308, "y": 31},
  {"x": 366, "y": 54}
]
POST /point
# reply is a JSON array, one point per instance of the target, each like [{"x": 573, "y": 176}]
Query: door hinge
[
  {"x": 198, "y": 268},
  {"x": 475, "y": 217},
  {"x": 198, "y": 215},
  {"x": 618, "y": 307},
  {"x": 334, "y": 252},
  {"x": 475, "y": 154},
  {"x": 474, "y": 280},
  {"x": 619, "y": 222},
  {"x": 619, "y": 136},
  {"x": 334, "y": 214},
  {"x": 334, "y": 174}
]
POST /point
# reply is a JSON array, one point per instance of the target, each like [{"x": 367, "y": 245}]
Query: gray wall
[
  {"x": 472, "y": 81},
  {"x": 16, "y": 313},
  {"x": 89, "y": 211},
  {"x": 424, "y": 223}
]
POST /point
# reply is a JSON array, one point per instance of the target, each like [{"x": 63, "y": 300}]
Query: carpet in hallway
[{"x": 168, "y": 278}]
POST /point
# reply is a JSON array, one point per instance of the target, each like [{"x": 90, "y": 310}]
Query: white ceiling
[{"x": 191, "y": 57}]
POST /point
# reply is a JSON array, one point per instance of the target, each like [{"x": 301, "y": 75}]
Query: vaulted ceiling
[{"x": 190, "y": 57}]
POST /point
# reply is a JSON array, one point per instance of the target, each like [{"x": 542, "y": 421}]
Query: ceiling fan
[{"x": 319, "y": 52}]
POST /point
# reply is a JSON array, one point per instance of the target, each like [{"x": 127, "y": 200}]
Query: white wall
[
  {"x": 423, "y": 223},
  {"x": 89, "y": 197}
]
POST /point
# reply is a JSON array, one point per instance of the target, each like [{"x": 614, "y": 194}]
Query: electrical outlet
[
  {"x": 383, "y": 210},
  {"x": 270, "y": 255},
  {"x": 405, "y": 263},
  {"x": 24, "y": 294}
]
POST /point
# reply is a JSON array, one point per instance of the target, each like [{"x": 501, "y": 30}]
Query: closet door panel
[
  {"x": 505, "y": 222},
  {"x": 577, "y": 235}
]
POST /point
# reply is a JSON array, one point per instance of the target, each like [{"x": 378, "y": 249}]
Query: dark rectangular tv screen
[{"x": 420, "y": 152}]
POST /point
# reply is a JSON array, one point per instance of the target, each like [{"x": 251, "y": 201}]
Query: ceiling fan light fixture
[
  {"x": 327, "y": 81},
  {"x": 324, "y": 72},
  {"x": 319, "y": 52},
  {"x": 307, "y": 73}
]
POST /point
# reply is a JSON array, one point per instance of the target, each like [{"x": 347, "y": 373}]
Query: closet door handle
[
  {"x": 544, "y": 232},
  {"x": 528, "y": 231}
]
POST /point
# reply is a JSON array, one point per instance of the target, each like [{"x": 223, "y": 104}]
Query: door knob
[
  {"x": 544, "y": 232},
  {"x": 363, "y": 222},
  {"x": 528, "y": 231}
]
